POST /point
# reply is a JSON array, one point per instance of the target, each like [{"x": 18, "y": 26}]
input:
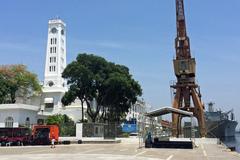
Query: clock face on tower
[
  {"x": 54, "y": 30},
  {"x": 50, "y": 83}
]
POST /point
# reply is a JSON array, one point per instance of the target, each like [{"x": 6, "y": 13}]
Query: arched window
[
  {"x": 40, "y": 121},
  {"x": 27, "y": 123},
  {"x": 9, "y": 122}
]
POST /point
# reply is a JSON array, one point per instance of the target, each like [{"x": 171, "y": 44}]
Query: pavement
[{"x": 127, "y": 150}]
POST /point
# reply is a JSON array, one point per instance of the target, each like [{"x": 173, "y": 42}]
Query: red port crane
[{"x": 186, "y": 92}]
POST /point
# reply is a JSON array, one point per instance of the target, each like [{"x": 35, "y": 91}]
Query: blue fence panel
[{"x": 129, "y": 128}]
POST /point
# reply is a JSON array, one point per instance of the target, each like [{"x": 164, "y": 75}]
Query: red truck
[
  {"x": 43, "y": 134},
  {"x": 39, "y": 135},
  {"x": 15, "y": 136}
]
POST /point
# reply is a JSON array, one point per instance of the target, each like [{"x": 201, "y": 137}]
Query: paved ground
[{"x": 121, "y": 151}]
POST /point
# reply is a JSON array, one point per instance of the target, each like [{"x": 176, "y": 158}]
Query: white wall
[
  {"x": 19, "y": 116},
  {"x": 79, "y": 130}
]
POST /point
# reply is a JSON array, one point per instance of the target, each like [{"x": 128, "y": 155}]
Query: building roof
[
  {"x": 56, "y": 21},
  {"x": 19, "y": 106},
  {"x": 166, "y": 110}
]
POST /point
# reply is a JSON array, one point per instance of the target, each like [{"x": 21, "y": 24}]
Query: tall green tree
[
  {"x": 93, "y": 79},
  {"x": 4, "y": 90},
  {"x": 121, "y": 94},
  {"x": 17, "y": 81}
]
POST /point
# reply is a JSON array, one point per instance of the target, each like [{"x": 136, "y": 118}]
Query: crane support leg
[
  {"x": 175, "y": 117},
  {"x": 199, "y": 112}
]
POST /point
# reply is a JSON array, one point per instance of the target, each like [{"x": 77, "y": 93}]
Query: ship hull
[{"x": 220, "y": 129}]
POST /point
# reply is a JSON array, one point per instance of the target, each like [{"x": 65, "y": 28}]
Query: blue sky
[{"x": 137, "y": 33}]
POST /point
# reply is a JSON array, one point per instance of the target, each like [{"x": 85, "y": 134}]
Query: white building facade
[
  {"x": 54, "y": 86},
  {"x": 138, "y": 110},
  {"x": 18, "y": 115},
  {"x": 37, "y": 108}
]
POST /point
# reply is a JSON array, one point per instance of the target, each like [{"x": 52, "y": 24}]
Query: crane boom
[
  {"x": 181, "y": 24},
  {"x": 182, "y": 41}
]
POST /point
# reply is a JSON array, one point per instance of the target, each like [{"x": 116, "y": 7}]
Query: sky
[{"x": 137, "y": 33}]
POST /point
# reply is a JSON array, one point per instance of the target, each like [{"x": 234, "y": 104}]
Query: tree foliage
[
  {"x": 66, "y": 124},
  {"x": 93, "y": 79},
  {"x": 17, "y": 81}
]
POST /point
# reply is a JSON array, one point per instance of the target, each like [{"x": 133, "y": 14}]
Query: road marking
[
  {"x": 170, "y": 157},
  {"x": 140, "y": 153}
]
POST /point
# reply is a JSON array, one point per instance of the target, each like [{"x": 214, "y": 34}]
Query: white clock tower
[{"x": 54, "y": 85}]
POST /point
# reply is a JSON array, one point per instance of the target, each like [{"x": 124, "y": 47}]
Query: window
[
  {"x": 53, "y": 59},
  {"x": 49, "y": 105},
  {"x": 62, "y": 32},
  {"x": 54, "y": 50},
  {"x": 52, "y": 68},
  {"x": 53, "y": 41},
  {"x": 9, "y": 122},
  {"x": 40, "y": 121},
  {"x": 27, "y": 122}
]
